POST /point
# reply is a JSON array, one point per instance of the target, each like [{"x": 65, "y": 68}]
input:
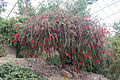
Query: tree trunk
[{"x": 62, "y": 61}]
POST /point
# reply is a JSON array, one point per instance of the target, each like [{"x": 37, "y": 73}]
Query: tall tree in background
[
  {"x": 2, "y": 5},
  {"x": 77, "y": 7},
  {"x": 25, "y": 8},
  {"x": 117, "y": 28}
]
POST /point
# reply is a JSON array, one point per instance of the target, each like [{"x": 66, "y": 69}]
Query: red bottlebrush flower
[
  {"x": 55, "y": 47},
  {"x": 98, "y": 53},
  {"x": 40, "y": 60},
  {"x": 38, "y": 43},
  {"x": 41, "y": 45},
  {"x": 73, "y": 52},
  {"x": 88, "y": 57},
  {"x": 53, "y": 42},
  {"x": 51, "y": 51},
  {"x": 36, "y": 56},
  {"x": 82, "y": 64},
  {"x": 62, "y": 50},
  {"x": 83, "y": 18},
  {"x": 32, "y": 42},
  {"x": 30, "y": 56},
  {"x": 44, "y": 24},
  {"x": 49, "y": 54},
  {"x": 106, "y": 54},
  {"x": 85, "y": 50},
  {"x": 15, "y": 28},
  {"x": 112, "y": 58},
  {"x": 13, "y": 36},
  {"x": 43, "y": 66},
  {"x": 37, "y": 33},
  {"x": 69, "y": 57},
  {"x": 28, "y": 42},
  {"x": 80, "y": 57},
  {"x": 24, "y": 51},
  {"x": 94, "y": 62},
  {"x": 82, "y": 60},
  {"x": 91, "y": 59},
  {"x": 29, "y": 30},
  {"x": 23, "y": 29},
  {"x": 34, "y": 46},
  {"x": 45, "y": 20},
  {"x": 14, "y": 41},
  {"x": 21, "y": 37},
  {"x": 27, "y": 52},
  {"x": 27, "y": 38},
  {"x": 42, "y": 49},
  {"x": 44, "y": 43},
  {"x": 78, "y": 71},
  {"x": 73, "y": 63},
  {"x": 102, "y": 35},
  {"x": 100, "y": 65},
  {"x": 29, "y": 46},
  {"x": 97, "y": 61},
  {"x": 30, "y": 26},
  {"x": 101, "y": 62},
  {"x": 108, "y": 32},
  {"x": 46, "y": 51},
  {"x": 77, "y": 61}
]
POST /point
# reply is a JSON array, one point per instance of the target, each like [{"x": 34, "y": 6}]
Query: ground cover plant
[{"x": 10, "y": 72}]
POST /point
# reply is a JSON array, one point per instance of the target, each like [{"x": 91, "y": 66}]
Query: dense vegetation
[
  {"x": 66, "y": 29},
  {"x": 11, "y": 72}
]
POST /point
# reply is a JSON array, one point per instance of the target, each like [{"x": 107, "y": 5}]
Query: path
[{"x": 11, "y": 52}]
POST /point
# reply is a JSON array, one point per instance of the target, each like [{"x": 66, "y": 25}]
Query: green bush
[
  {"x": 113, "y": 72},
  {"x": 116, "y": 46},
  {"x": 10, "y": 72}
]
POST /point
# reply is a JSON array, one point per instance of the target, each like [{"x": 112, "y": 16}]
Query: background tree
[
  {"x": 117, "y": 28},
  {"x": 25, "y": 8},
  {"x": 3, "y": 4}
]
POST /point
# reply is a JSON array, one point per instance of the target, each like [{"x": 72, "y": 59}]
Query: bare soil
[{"x": 50, "y": 72}]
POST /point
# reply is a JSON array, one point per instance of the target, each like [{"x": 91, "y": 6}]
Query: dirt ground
[{"x": 50, "y": 72}]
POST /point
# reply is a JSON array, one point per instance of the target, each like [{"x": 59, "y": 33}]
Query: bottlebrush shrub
[{"x": 80, "y": 39}]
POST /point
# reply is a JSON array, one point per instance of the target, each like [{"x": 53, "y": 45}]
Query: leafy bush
[
  {"x": 113, "y": 72},
  {"x": 10, "y": 72},
  {"x": 6, "y": 29},
  {"x": 116, "y": 46}
]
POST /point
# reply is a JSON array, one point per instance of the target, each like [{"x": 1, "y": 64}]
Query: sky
[{"x": 107, "y": 11}]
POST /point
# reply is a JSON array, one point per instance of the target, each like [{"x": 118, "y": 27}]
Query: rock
[
  {"x": 66, "y": 74},
  {"x": 76, "y": 75}
]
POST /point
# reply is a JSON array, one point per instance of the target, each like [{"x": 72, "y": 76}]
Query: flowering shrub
[{"x": 81, "y": 40}]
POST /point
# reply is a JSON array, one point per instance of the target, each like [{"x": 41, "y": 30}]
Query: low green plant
[
  {"x": 113, "y": 72},
  {"x": 11, "y": 72}
]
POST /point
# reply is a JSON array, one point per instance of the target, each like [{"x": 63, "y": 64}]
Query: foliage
[
  {"x": 6, "y": 29},
  {"x": 79, "y": 38},
  {"x": 10, "y": 72},
  {"x": 113, "y": 72},
  {"x": 117, "y": 28},
  {"x": 25, "y": 8},
  {"x": 3, "y": 51},
  {"x": 3, "y": 4},
  {"x": 116, "y": 46},
  {"x": 77, "y": 7}
]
